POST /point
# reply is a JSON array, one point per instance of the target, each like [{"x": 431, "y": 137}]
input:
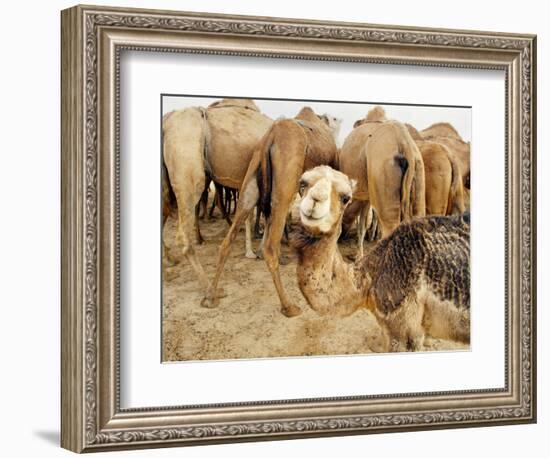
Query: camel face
[
  {"x": 333, "y": 123},
  {"x": 325, "y": 194}
]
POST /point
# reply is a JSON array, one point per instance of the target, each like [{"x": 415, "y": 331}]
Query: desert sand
[{"x": 248, "y": 323}]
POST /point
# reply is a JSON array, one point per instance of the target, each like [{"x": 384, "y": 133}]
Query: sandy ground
[{"x": 247, "y": 323}]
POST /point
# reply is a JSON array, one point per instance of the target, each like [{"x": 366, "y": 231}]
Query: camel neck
[
  {"x": 321, "y": 253},
  {"x": 328, "y": 283}
]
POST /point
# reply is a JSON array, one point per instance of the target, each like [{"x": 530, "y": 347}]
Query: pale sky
[{"x": 419, "y": 116}]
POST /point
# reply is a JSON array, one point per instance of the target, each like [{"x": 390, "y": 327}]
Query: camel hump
[
  {"x": 376, "y": 114},
  {"x": 441, "y": 129},
  {"x": 308, "y": 115},
  {"x": 187, "y": 115},
  {"x": 249, "y": 104}
]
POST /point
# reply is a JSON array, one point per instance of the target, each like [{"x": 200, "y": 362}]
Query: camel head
[
  {"x": 333, "y": 124},
  {"x": 325, "y": 194}
]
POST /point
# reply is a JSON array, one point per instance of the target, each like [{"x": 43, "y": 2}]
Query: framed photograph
[{"x": 278, "y": 228}]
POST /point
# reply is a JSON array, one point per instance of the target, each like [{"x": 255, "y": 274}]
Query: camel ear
[{"x": 353, "y": 184}]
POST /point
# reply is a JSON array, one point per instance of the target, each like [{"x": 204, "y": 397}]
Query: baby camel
[{"x": 415, "y": 282}]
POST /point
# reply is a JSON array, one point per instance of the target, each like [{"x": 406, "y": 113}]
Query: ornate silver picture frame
[{"x": 93, "y": 39}]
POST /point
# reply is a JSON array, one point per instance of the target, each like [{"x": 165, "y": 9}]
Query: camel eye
[
  {"x": 303, "y": 186},
  {"x": 345, "y": 199}
]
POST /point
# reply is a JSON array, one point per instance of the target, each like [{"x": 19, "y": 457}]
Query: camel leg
[
  {"x": 361, "y": 228},
  {"x": 282, "y": 197},
  {"x": 227, "y": 201},
  {"x": 373, "y": 230},
  {"x": 168, "y": 260},
  {"x": 167, "y": 255},
  {"x": 271, "y": 251},
  {"x": 213, "y": 205},
  {"x": 235, "y": 197},
  {"x": 415, "y": 331},
  {"x": 198, "y": 235},
  {"x": 406, "y": 326},
  {"x": 186, "y": 222},
  {"x": 187, "y": 199},
  {"x": 204, "y": 200},
  {"x": 244, "y": 208},
  {"x": 249, "y": 252},
  {"x": 257, "y": 230},
  {"x": 223, "y": 194}
]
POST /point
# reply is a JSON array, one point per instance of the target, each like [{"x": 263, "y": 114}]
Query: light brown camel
[
  {"x": 444, "y": 188},
  {"x": 219, "y": 142},
  {"x": 387, "y": 165},
  {"x": 447, "y": 135},
  {"x": 290, "y": 147},
  {"x": 415, "y": 281}
]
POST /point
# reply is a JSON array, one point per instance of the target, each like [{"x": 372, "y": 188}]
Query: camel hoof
[
  {"x": 291, "y": 310},
  {"x": 250, "y": 255},
  {"x": 283, "y": 260},
  {"x": 169, "y": 260},
  {"x": 212, "y": 299},
  {"x": 170, "y": 275},
  {"x": 210, "y": 302},
  {"x": 168, "y": 263}
]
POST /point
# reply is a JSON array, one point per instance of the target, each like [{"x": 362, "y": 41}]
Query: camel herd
[{"x": 397, "y": 173}]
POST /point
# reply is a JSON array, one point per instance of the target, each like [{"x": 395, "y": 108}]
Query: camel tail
[
  {"x": 413, "y": 186},
  {"x": 419, "y": 190},
  {"x": 265, "y": 173},
  {"x": 406, "y": 182},
  {"x": 168, "y": 195},
  {"x": 455, "y": 205}
]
